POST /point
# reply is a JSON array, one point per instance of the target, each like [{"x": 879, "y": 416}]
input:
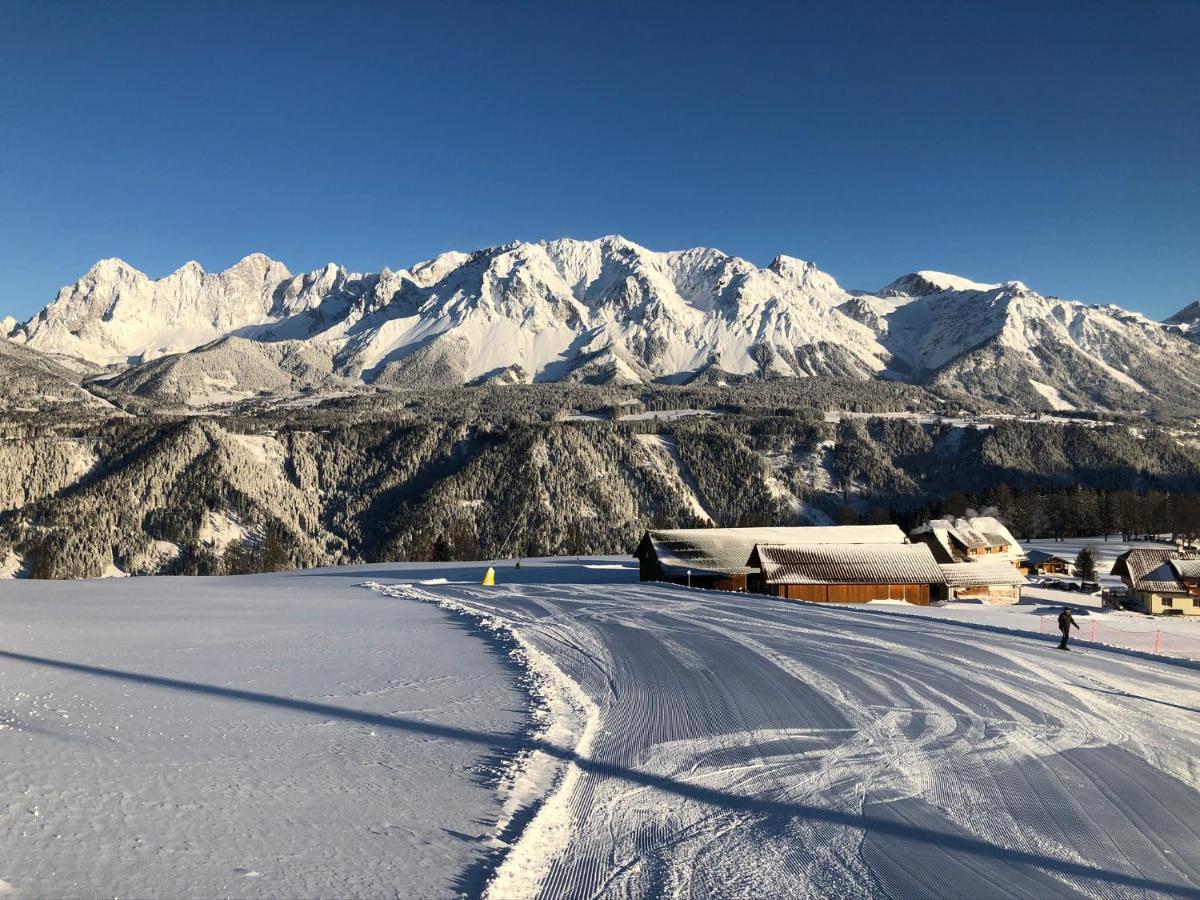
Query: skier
[{"x": 1065, "y": 621}]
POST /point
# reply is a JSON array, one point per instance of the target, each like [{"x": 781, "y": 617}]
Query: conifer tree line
[
  {"x": 1077, "y": 512},
  {"x": 479, "y": 474}
]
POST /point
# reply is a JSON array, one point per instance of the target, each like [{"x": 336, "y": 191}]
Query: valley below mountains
[{"x": 504, "y": 472}]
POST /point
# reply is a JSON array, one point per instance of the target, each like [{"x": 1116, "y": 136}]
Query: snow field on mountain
[
  {"x": 664, "y": 454},
  {"x": 739, "y": 746},
  {"x": 607, "y": 310},
  {"x": 1056, "y": 400}
]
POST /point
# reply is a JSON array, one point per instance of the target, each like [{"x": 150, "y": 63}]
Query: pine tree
[
  {"x": 1085, "y": 565},
  {"x": 846, "y": 516}
]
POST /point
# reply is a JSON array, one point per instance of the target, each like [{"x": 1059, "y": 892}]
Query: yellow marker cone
[{"x": 489, "y": 577}]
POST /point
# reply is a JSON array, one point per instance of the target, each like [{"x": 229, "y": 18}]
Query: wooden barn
[
  {"x": 989, "y": 581},
  {"x": 716, "y": 557},
  {"x": 830, "y": 573}
]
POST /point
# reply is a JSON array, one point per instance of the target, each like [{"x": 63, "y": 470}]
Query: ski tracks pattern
[{"x": 739, "y": 746}]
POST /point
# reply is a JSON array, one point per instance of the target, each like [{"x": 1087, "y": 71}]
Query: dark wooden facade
[
  {"x": 649, "y": 569},
  {"x": 917, "y": 594}
]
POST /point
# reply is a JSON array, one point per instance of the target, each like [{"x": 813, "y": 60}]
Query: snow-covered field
[
  {"x": 1105, "y": 551},
  {"x": 271, "y": 736},
  {"x": 1177, "y": 636},
  {"x": 295, "y": 735}
]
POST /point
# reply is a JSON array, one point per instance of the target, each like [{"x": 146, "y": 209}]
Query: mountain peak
[
  {"x": 927, "y": 281},
  {"x": 191, "y": 267},
  {"x": 787, "y": 266},
  {"x": 1189, "y": 315},
  {"x": 258, "y": 263},
  {"x": 111, "y": 267},
  {"x": 619, "y": 242}
]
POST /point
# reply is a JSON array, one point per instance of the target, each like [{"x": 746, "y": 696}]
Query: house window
[
  {"x": 1167, "y": 601},
  {"x": 1196, "y": 602}
]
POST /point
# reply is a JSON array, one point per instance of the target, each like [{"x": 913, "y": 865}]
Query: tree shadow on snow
[{"x": 874, "y": 825}]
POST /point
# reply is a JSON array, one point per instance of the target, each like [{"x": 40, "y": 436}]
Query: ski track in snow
[{"x": 738, "y": 746}]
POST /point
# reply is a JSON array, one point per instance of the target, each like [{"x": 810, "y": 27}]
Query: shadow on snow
[{"x": 721, "y": 799}]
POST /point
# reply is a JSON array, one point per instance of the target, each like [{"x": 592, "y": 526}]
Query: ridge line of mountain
[{"x": 602, "y": 311}]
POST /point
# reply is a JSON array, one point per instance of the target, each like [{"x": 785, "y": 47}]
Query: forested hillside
[{"x": 474, "y": 474}]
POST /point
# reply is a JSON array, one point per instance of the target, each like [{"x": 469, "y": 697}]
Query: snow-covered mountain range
[{"x": 601, "y": 311}]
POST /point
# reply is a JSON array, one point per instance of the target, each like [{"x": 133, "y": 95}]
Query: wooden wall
[
  {"x": 723, "y": 583},
  {"x": 649, "y": 569},
  {"x": 853, "y": 593},
  {"x": 709, "y": 581}
]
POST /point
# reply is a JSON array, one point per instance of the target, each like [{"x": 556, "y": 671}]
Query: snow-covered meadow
[
  {"x": 570, "y": 732},
  {"x": 275, "y": 736}
]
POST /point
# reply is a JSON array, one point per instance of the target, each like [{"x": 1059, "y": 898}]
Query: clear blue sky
[{"x": 1057, "y": 143}]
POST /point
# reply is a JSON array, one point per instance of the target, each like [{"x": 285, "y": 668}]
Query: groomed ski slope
[{"x": 725, "y": 745}]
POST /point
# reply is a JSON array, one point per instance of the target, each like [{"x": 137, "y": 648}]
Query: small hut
[
  {"x": 1160, "y": 582},
  {"x": 987, "y": 580},
  {"x": 1042, "y": 562}
]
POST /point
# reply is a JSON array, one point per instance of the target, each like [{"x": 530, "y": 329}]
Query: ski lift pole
[
  {"x": 489, "y": 577},
  {"x": 513, "y": 528}
]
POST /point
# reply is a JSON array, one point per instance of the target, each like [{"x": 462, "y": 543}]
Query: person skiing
[{"x": 1065, "y": 622}]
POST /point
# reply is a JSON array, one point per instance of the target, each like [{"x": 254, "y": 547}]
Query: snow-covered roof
[
  {"x": 979, "y": 574},
  {"x": 726, "y": 550},
  {"x": 1149, "y": 569},
  {"x": 1187, "y": 568},
  {"x": 853, "y": 564},
  {"x": 941, "y": 538},
  {"x": 974, "y": 533},
  {"x": 1037, "y": 557}
]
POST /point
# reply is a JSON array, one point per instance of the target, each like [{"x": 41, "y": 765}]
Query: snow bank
[{"x": 567, "y": 721}]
